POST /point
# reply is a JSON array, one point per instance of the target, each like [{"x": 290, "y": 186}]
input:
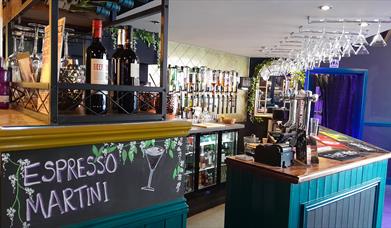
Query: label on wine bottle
[{"x": 100, "y": 72}]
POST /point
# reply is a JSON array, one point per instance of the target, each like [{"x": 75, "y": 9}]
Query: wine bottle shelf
[{"x": 65, "y": 103}]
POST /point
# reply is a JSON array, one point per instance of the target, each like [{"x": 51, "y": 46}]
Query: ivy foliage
[
  {"x": 149, "y": 38},
  {"x": 253, "y": 89},
  {"x": 298, "y": 76}
]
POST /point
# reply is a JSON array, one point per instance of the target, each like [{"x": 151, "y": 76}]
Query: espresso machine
[{"x": 291, "y": 138}]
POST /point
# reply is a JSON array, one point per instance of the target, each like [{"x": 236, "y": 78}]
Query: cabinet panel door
[{"x": 208, "y": 160}]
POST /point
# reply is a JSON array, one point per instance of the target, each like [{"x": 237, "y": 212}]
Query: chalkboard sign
[{"x": 62, "y": 186}]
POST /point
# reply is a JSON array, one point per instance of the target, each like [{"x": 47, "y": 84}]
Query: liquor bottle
[
  {"x": 173, "y": 79},
  {"x": 217, "y": 103},
  {"x": 228, "y": 103},
  {"x": 196, "y": 100},
  {"x": 213, "y": 101},
  {"x": 116, "y": 60},
  {"x": 221, "y": 81},
  {"x": 195, "y": 79},
  {"x": 96, "y": 71},
  {"x": 231, "y": 105},
  {"x": 202, "y": 102},
  {"x": 216, "y": 80},
  {"x": 180, "y": 78},
  {"x": 186, "y": 100},
  {"x": 129, "y": 73},
  {"x": 191, "y": 79},
  {"x": 222, "y": 103},
  {"x": 186, "y": 78},
  {"x": 203, "y": 78}
]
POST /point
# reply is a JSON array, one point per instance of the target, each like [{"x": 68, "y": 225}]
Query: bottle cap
[{"x": 97, "y": 28}]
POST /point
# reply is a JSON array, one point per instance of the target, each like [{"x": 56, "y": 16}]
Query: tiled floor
[{"x": 214, "y": 218}]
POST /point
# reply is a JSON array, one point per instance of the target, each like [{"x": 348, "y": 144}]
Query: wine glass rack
[{"x": 41, "y": 100}]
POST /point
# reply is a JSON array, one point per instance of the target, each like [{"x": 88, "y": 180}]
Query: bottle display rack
[
  {"x": 211, "y": 91},
  {"x": 63, "y": 102}
]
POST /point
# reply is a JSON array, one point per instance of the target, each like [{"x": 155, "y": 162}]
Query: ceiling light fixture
[
  {"x": 364, "y": 24},
  {"x": 325, "y": 7}
]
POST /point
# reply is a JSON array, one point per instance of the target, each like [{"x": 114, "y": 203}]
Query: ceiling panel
[{"x": 243, "y": 26}]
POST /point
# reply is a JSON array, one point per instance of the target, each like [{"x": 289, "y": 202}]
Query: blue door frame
[{"x": 342, "y": 72}]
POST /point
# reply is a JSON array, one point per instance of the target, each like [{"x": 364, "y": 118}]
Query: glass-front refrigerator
[
  {"x": 190, "y": 163},
  {"x": 208, "y": 160},
  {"x": 228, "y": 148}
]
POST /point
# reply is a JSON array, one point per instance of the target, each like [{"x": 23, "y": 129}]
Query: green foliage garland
[
  {"x": 253, "y": 89},
  {"x": 149, "y": 38}
]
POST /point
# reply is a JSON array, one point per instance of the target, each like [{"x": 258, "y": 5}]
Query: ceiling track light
[{"x": 325, "y": 7}]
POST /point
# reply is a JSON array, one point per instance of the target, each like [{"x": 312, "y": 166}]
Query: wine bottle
[
  {"x": 129, "y": 74},
  {"x": 115, "y": 68},
  {"x": 97, "y": 71}
]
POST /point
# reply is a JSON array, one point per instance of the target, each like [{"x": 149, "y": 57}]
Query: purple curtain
[{"x": 339, "y": 105}]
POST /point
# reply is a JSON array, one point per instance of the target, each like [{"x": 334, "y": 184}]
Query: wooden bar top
[{"x": 302, "y": 173}]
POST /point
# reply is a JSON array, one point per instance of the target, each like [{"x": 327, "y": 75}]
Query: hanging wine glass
[
  {"x": 362, "y": 50},
  {"x": 12, "y": 62},
  {"x": 348, "y": 50},
  {"x": 360, "y": 39},
  {"x": 36, "y": 58},
  {"x": 378, "y": 40}
]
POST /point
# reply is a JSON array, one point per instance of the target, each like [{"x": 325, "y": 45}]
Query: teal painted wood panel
[
  {"x": 259, "y": 201},
  {"x": 171, "y": 214},
  {"x": 327, "y": 186},
  {"x": 255, "y": 201}
]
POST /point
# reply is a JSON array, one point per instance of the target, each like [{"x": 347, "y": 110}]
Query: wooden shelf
[{"x": 10, "y": 117}]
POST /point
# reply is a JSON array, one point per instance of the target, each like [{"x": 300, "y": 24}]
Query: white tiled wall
[{"x": 189, "y": 55}]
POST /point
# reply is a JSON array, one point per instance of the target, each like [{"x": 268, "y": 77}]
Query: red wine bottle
[
  {"x": 128, "y": 75},
  {"x": 97, "y": 71},
  {"x": 116, "y": 60}
]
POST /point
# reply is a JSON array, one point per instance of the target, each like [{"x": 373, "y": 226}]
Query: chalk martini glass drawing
[{"x": 153, "y": 156}]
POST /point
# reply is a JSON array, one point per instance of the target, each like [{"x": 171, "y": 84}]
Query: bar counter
[
  {"x": 218, "y": 127},
  {"x": 107, "y": 175},
  {"x": 333, "y": 193}
]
